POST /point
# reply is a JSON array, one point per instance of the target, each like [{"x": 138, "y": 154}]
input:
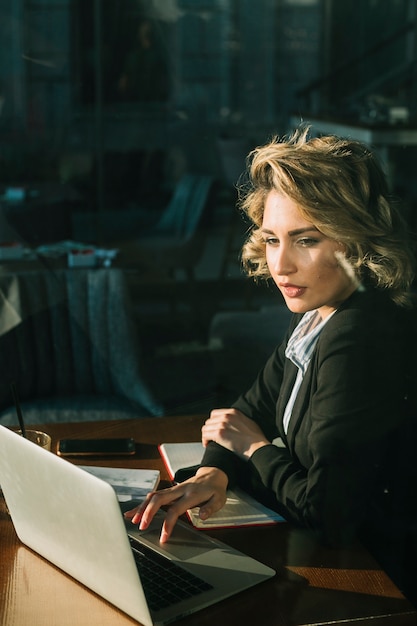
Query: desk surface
[{"x": 314, "y": 585}]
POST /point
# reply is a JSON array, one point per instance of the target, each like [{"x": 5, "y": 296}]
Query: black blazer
[{"x": 335, "y": 474}]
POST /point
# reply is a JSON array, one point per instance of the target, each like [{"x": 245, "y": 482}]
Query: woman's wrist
[
  {"x": 256, "y": 446},
  {"x": 214, "y": 473}
]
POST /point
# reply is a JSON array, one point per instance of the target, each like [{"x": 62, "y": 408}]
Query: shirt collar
[{"x": 303, "y": 340}]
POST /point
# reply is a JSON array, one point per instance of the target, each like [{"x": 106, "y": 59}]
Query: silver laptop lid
[{"x": 71, "y": 518}]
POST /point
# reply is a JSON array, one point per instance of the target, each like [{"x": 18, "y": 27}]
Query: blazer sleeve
[{"x": 258, "y": 403}]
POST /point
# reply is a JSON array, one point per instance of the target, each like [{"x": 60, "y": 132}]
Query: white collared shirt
[{"x": 299, "y": 350}]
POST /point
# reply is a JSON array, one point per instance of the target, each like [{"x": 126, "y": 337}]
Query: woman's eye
[
  {"x": 271, "y": 241},
  {"x": 307, "y": 242}
]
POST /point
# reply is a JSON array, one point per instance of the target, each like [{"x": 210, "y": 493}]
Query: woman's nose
[{"x": 282, "y": 262}]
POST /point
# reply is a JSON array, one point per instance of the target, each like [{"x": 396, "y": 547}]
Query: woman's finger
[
  {"x": 136, "y": 513},
  {"x": 207, "y": 508}
]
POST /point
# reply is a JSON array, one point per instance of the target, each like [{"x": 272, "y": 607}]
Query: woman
[{"x": 334, "y": 391}]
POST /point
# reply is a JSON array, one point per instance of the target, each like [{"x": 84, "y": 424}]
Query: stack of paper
[{"x": 129, "y": 484}]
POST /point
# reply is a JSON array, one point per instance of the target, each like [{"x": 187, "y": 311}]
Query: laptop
[{"x": 74, "y": 520}]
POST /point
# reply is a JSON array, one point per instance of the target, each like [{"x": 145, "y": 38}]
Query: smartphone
[{"x": 96, "y": 447}]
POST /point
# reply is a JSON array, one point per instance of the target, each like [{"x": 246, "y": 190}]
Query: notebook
[
  {"x": 73, "y": 519},
  {"x": 240, "y": 508},
  {"x": 129, "y": 484}
]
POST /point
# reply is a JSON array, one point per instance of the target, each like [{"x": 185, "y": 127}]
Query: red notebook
[{"x": 240, "y": 508}]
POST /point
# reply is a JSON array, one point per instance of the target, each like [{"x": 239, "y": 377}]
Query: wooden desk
[{"x": 314, "y": 585}]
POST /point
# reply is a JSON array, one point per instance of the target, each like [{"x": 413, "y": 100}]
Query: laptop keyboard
[{"x": 164, "y": 582}]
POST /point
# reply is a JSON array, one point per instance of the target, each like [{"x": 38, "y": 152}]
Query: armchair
[{"x": 68, "y": 342}]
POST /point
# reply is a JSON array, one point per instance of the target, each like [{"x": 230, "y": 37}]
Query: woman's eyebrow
[
  {"x": 295, "y": 232},
  {"x": 301, "y": 231}
]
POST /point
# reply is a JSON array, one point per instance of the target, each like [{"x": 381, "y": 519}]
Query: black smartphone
[{"x": 96, "y": 447}]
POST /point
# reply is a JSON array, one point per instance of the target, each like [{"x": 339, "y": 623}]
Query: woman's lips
[{"x": 292, "y": 291}]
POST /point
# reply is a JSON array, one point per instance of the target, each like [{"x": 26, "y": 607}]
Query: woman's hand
[
  {"x": 233, "y": 430},
  {"x": 207, "y": 489}
]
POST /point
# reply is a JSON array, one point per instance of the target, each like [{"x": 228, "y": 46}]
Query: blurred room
[{"x": 124, "y": 128}]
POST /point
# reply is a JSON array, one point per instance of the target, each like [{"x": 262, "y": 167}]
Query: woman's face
[{"x": 302, "y": 260}]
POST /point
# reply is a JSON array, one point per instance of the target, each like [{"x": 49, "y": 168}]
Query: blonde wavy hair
[{"x": 340, "y": 187}]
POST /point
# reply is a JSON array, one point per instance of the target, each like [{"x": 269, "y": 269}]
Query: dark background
[{"x": 213, "y": 80}]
